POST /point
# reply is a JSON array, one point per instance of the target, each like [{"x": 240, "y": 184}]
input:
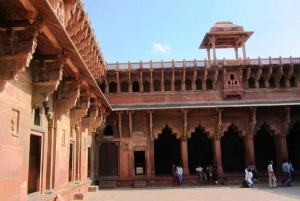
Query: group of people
[
  {"x": 288, "y": 170},
  {"x": 211, "y": 172},
  {"x": 177, "y": 174}
]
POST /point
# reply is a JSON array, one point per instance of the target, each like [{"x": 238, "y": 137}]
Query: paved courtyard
[{"x": 260, "y": 192}]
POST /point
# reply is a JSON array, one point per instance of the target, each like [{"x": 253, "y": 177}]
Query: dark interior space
[
  {"x": 139, "y": 162},
  {"x": 232, "y": 149},
  {"x": 293, "y": 144},
  {"x": 34, "y": 164},
  {"x": 264, "y": 149},
  {"x": 71, "y": 163},
  {"x": 166, "y": 152},
  {"x": 200, "y": 150}
]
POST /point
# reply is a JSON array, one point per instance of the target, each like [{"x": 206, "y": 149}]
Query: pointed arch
[
  {"x": 188, "y": 84},
  {"x": 124, "y": 86},
  {"x": 112, "y": 87},
  {"x": 178, "y": 85},
  {"x": 146, "y": 86},
  {"x": 135, "y": 86},
  {"x": 232, "y": 145},
  {"x": 157, "y": 86},
  {"x": 167, "y": 85}
]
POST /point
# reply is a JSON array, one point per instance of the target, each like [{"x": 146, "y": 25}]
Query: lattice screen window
[{"x": 108, "y": 159}]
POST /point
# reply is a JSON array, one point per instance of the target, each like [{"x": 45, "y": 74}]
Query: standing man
[
  {"x": 272, "y": 178},
  {"x": 179, "y": 173},
  {"x": 287, "y": 173}
]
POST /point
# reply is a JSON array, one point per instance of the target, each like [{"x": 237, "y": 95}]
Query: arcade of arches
[{"x": 199, "y": 137}]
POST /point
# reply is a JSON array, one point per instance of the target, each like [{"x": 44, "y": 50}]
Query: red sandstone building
[{"x": 68, "y": 117}]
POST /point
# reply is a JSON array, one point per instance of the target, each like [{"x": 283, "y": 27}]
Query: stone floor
[{"x": 260, "y": 192}]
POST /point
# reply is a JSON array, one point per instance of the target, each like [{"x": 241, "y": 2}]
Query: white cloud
[{"x": 163, "y": 49}]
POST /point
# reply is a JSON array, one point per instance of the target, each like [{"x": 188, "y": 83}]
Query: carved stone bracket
[
  {"x": 15, "y": 61},
  {"x": 86, "y": 122},
  {"x": 47, "y": 76},
  {"x": 78, "y": 112},
  {"x": 68, "y": 93}
]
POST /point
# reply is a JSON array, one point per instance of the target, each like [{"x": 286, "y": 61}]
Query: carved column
[
  {"x": 281, "y": 145},
  {"x": 129, "y": 83},
  {"x": 162, "y": 81},
  {"x": 151, "y": 82},
  {"x": 50, "y": 155},
  {"x": 213, "y": 41},
  {"x": 183, "y": 80},
  {"x": 184, "y": 155},
  {"x": 141, "y": 82},
  {"x": 120, "y": 123},
  {"x": 248, "y": 139},
  {"x": 183, "y": 145},
  {"x": 216, "y": 141},
  {"x": 150, "y": 166},
  {"x": 130, "y": 122},
  {"x": 118, "y": 83},
  {"x": 194, "y": 79},
  {"x": 208, "y": 52},
  {"x": 236, "y": 48},
  {"x": 173, "y": 80},
  {"x": 243, "y": 39}
]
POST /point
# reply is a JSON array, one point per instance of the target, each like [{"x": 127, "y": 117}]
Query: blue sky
[{"x": 135, "y": 30}]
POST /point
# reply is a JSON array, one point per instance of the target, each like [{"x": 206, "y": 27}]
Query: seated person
[
  {"x": 254, "y": 171},
  {"x": 202, "y": 174},
  {"x": 248, "y": 178}
]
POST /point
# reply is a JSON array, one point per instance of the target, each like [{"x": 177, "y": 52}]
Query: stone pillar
[
  {"x": 243, "y": 46},
  {"x": 184, "y": 156},
  {"x": 281, "y": 149},
  {"x": 118, "y": 84},
  {"x": 217, "y": 154},
  {"x": 50, "y": 155},
  {"x": 131, "y": 171},
  {"x": 236, "y": 52},
  {"x": 213, "y": 40},
  {"x": 152, "y": 157},
  {"x": 162, "y": 86},
  {"x": 151, "y": 82},
  {"x": 249, "y": 150},
  {"x": 148, "y": 160},
  {"x": 208, "y": 53}
]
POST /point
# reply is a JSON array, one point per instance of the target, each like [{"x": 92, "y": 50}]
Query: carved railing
[{"x": 203, "y": 63}]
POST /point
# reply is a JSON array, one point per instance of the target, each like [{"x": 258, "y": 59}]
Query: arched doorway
[
  {"x": 293, "y": 144},
  {"x": 166, "y": 152},
  {"x": 232, "y": 151},
  {"x": 264, "y": 149},
  {"x": 200, "y": 150}
]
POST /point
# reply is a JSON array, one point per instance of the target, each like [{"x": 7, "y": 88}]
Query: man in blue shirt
[{"x": 286, "y": 170}]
